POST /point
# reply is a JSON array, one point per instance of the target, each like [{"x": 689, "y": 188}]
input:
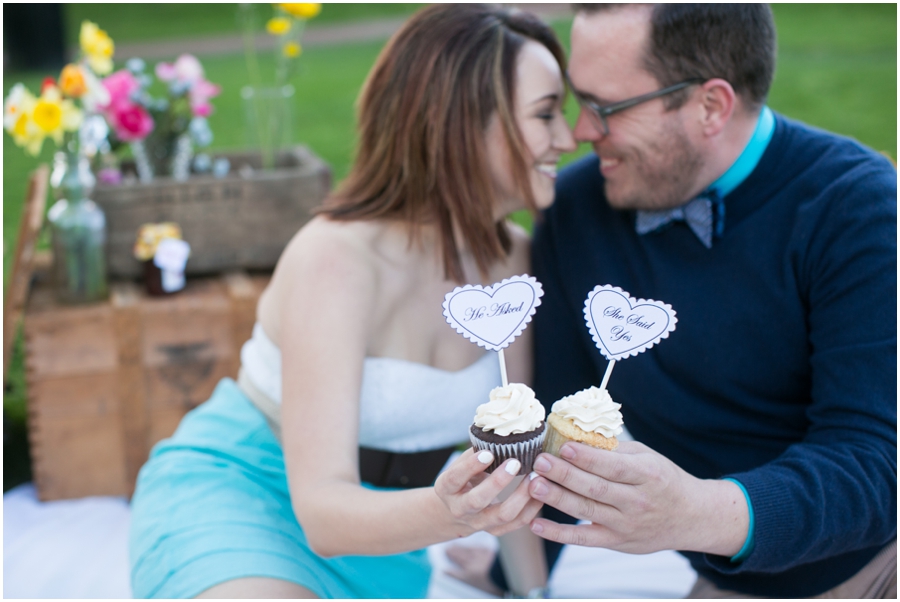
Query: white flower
[
  {"x": 97, "y": 95},
  {"x": 19, "y": 102},
  {"x": 93, "y": 134}
]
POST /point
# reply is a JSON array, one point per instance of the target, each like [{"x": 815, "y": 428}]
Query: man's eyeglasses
[{"x": 598, "y": 113}]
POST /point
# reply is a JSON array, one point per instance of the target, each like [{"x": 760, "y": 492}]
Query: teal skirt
[{"x": 212, "y": 504}]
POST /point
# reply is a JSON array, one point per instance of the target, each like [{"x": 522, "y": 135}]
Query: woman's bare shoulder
[
  {"x": 327, "y": 246},
  {"x": 325, "y": 260}
]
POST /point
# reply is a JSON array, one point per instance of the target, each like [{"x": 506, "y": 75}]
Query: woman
[{"x": 308, "y": 477}]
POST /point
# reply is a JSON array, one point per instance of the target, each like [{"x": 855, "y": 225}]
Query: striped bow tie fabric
[{"x": 705, "y": 216}]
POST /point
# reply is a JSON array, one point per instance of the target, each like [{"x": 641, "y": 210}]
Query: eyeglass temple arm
[
  {"x": 625, "y": 104},
  {"x": 607, "y": 110}
]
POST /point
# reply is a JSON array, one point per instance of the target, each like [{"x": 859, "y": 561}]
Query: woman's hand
[{"x": 471, "y": 496}]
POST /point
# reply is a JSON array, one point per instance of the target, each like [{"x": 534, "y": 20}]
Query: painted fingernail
[
  {"x": 485, "y": 457},
  {"x": 539, "y": 489},
  {"x": 567, "y": 452},
  {"x": 541, "y": 464},
  {"x": 533, "y": 475},
  {"x": 513, "y": 466},
  {"x": 537, "y": 528}
]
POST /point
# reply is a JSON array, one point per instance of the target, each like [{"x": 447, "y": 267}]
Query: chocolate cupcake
[
  {"x": 510, "y": 425},
  {"x": 589, "y": 416}
]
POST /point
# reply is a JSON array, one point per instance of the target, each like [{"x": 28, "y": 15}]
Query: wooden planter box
[
  {"x": 241, "y": 221},
  {"x": 108, "y": 380}
]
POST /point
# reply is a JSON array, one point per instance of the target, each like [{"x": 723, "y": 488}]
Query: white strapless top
[{"x": 403, "y": 406}]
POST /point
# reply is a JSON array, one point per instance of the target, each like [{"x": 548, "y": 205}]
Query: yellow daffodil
[
  {"x": 28, "y": 135},
  {"x": 292, "y": 50},
  {"x": 30, "y": 120},
  {"x": 72, "y": 82},
  {"x": 302, "y": 10},
  {"x": 54, "y": 115},
  {"x": 17, "y": 111},
  {"x": 278, "y": 26},
  {"x": 97, "y": 46},
  {"x": 47, "y": 112}
]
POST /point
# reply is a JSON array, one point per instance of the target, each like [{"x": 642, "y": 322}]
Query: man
[{"x": 767, "y": 420}]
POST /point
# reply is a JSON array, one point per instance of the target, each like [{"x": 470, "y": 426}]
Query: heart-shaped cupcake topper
[
  {"x": 493, "y": 316},
  {"x": 622, "y": 326}
]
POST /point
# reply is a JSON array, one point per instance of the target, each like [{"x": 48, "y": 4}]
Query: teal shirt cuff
[{"x": 748, "y": 543}]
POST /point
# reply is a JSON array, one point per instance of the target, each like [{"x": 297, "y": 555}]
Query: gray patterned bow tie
[{"x": 705, "y": 215}]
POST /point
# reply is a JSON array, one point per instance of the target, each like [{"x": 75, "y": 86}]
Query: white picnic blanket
[{"x": 79, "y": 549}]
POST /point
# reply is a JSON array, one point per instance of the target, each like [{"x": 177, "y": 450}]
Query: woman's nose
[{"x": 563, "y": 139}]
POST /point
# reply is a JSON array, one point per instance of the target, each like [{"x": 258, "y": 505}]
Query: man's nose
[{"x": 585, "y": 130}]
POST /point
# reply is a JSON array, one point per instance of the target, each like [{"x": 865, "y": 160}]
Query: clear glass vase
[
  {"x": 268, "y": 112},
  {"x": 180, "y": 167},
  {"x": 78, "y": 229},
  {"x": 163, "y": 155}
]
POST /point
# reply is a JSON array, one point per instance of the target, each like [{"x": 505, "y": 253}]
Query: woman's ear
[{"x": 717, "y": 103}]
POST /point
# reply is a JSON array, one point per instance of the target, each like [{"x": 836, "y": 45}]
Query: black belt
[{"x": 405, "y": 471}]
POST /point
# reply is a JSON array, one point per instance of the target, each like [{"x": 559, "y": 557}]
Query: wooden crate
[
  {"x": 106, "y": 381},
  {"x": 241, "y": 221}
]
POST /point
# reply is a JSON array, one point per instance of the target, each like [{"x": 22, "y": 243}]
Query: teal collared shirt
[{"x": 749, "y": 158}]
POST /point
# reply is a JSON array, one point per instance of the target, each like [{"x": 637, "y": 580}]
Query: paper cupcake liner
[
  {"x": 525, "y": 451},
  {"x": 553, "y": 440}
]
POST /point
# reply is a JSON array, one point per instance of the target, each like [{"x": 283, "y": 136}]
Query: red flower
[
  {"x": 130, "y": 121},
  {"x": 48, "y": 82}
]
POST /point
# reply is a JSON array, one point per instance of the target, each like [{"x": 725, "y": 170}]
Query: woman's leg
[{"x": 257, "y": 587}]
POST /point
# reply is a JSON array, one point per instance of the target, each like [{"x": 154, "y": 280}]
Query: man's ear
[{"x": 717, "y": 103}]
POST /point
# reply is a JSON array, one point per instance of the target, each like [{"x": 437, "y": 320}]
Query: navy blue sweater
[{"x": 782, "y": 372}]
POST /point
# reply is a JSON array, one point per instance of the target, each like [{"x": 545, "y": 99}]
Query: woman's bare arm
[{"x": 325, "y": 320}]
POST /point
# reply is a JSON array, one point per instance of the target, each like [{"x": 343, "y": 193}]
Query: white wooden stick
[
  {"x": 609, "y": 368},
  {"x": 502, "y": 367}
]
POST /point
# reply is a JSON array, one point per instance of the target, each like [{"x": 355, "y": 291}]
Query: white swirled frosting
[
  {"x": 592, "y": 410},
  {"x": 510, "y": 409}
]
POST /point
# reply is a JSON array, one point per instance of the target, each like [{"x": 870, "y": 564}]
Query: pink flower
[
  {"x": 130, "y": 121},
  {"x": 120, "y": 86},
  {"x": 199, "y": 96},
  {"x": 186, "y": 69}
]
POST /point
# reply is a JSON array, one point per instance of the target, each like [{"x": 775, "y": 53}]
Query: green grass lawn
[
  {"x": 128, "y": 22},
  {"x": 837, "y": 69}
]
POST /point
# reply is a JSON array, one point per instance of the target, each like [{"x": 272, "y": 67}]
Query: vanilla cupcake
[
  {"x": 510, "y": 425},
  {"x": 589, "y": 416}
]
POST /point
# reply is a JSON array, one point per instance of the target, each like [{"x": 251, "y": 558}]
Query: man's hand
[{"x": 637, "y": 501}]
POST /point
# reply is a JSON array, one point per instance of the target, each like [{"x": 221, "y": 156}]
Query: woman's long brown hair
[{"x": 423, "y": 112}]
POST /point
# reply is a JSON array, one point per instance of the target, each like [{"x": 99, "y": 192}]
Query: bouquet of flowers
[
  {"x": 162, "y": 131},
  {"x": 67, "y": 112},
  {"x": 116, "y": 112},
  {"x": 31, "y": 119}
]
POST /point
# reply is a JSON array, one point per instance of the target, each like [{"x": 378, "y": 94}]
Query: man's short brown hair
[{"x": 735, "y": 42}]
